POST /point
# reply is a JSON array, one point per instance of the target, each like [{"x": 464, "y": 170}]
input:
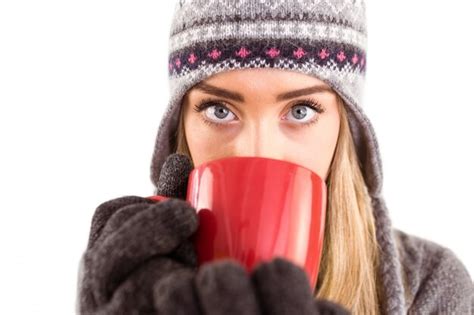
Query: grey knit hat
[{"x": 323, "y": 38}]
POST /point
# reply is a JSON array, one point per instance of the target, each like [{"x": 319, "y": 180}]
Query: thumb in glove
[{"x": 174, "y": 175}]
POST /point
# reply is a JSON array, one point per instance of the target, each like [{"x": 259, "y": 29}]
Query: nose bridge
[{"x": 261, "y": 138}]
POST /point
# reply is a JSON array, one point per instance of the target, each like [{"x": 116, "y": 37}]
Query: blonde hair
[{"x": 350, "y": 257}]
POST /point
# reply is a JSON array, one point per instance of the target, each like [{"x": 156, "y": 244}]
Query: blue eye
[
  {"x": 215, "y": 112},
  {"x": 301, "y": 113},
  {"x": 304, "y": 116},
  {"x": 218, "y": 113}
]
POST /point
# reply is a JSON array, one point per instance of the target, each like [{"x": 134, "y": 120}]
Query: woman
[{"x": 301, "y": 102}]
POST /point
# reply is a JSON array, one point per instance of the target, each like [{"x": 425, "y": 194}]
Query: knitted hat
[{"x": 323, "y": 38}]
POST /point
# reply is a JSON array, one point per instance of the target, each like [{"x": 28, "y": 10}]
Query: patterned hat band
[
  {"x": 273, "y": 53},
  {"x": 320, "y": 40}
]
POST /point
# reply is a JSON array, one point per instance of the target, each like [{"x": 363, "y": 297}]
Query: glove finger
[
  {"x": 175, "y": 294},
  {"x": 135, "y": 294},
  {"x": 283, "y": 288},
  {"x": 108, "y": 208},
  {"x": 224, "y": 287},
  {"x": 185, "y": 253},
  {"x": 120, "y": 216},
  {"x": 326, "y": 307},
  {"x": 174, "y": 175},
  {"x": 157, "y": 230}
]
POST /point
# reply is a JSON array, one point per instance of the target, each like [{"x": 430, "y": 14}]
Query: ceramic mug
[{"x": 253, "y": 209}]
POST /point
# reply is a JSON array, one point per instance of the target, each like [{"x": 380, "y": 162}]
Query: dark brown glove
[
  {"x": 278, "y": 287},
  {"x": 135, "y": 241}
]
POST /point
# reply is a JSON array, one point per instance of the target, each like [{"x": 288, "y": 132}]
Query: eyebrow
[{"x": 214, "y": 90}]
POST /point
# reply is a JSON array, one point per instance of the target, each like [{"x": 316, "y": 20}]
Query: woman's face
[{"x": 264, "y": 112}]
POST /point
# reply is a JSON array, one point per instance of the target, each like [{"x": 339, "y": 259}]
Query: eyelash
[{"x": 309, "y": 102}]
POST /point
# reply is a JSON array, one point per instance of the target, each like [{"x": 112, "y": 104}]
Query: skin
[{"x": 260, "y": 124}]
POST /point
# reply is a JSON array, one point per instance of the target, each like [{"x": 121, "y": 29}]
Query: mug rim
[{"x": 273, "y": 160}]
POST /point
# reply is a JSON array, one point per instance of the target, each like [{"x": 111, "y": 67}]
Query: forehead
[
  {"x": 282, "y": 83},
  {"x": 263, "y": 75}
]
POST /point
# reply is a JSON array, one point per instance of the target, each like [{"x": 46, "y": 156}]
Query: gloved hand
[
  {"x": 134, "y": 241},
  {"x": 277, "y": 287}
]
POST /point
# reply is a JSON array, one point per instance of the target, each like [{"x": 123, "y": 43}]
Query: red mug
[{"x": 253, "y": 209}]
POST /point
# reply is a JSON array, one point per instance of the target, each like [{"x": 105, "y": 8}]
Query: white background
[{"x": 83, "y": 85}]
